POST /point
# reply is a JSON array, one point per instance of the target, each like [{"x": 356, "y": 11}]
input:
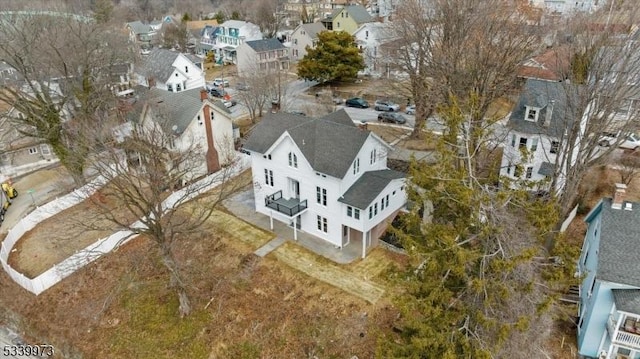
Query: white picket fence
[{"x": 94, "y": 251}]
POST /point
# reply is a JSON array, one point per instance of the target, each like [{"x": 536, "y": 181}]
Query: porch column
[
  {"x": 271, "y": 219},
  {"x": 295, "y": 228},
  {"x": 348, "y": 235},
  {"x": 364, "y": 243}
]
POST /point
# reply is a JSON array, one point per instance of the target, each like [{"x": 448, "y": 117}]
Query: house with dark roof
[
  {"x": 537, "y": 124},
  {"x": 348, "y": 18},
  {"x": 203, "y": 34},
  {"x": 304, "y": 35},
  {"x": 190, "y": 117},
  {"x": 326, "y": 177},
  {"x": 140, "y": 33},
  {"x": 259, "y": 56},
  {"x": 170, "y": 71},
  {"x": 609, "y": 308}
]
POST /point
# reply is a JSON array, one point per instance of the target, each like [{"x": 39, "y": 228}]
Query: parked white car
[
  {"x": 217, "y": 82},
  {"x": 631, "y": 141},
  {"x": 411, "y": 110},
  {"x": 383, "y": 105}
]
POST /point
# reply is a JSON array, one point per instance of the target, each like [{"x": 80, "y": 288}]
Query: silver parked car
[{"x": 384, "y": 105}]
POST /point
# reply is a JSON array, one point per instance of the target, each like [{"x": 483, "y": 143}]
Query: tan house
[
  {"x": 348, "y": 18},
  {"x": 268, "y": 55},
  {"x": 304, "y": 35}
]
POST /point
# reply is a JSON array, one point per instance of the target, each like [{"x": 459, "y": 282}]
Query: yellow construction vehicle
[{"x": 6, "y": 195}]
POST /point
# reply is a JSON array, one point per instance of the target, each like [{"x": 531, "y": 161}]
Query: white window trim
[{"x": 526, "y": 113}]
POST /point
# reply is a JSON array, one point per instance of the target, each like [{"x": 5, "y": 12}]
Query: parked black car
[
  {"x": 357, "y": 102},
  {"x": 391, "y": 117},
  {"x": 217, "y": 92}
]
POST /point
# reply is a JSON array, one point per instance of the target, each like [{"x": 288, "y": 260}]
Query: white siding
[
  {"x": 334, "y": 211},
  {"x": 300, "y": 39}
]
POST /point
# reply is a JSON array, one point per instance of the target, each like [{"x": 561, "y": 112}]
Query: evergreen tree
[
  {"x": 481, "y": 281},
  {"x": 335, "y": 57}
]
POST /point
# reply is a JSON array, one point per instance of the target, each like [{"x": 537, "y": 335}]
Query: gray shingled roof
[
  {"x": 158, "y": 64},
  {"x": 341, "y": 117},
  {"x": 173, "y": 109},
  {"x": 627, "y": 300},
  {"x": 330, "y": 147},
  {"x": 551, "y": 97},
  {"x": 368, "y": 187},
  {"x": 313, "y": 29},
  {"x": 359, "y": 14},
  {"x": 546, "y": 169},
  {"x": 265, "y": 45},
  {"x": 139, "y": 28},
  {"x": 619, "y": 244}
]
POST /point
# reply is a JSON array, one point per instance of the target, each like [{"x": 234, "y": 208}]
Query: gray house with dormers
[
  {"x": 536, "y": 132},
  {"x": 326, "y": 177}
]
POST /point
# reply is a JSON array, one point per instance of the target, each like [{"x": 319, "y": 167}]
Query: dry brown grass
[
  {"x": 121, "y": 307},
  {"x": 58, "y": 237}
]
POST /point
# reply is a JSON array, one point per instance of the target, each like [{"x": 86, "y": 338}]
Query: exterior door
[{"x": 295, "y": 188}]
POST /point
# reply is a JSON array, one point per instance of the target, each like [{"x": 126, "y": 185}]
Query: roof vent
[{"x": 628, "y": 206}]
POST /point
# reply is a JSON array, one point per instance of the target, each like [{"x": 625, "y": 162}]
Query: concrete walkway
[
  {"x": 269, "y": 247},
  {"x": 242, "y": 205}
]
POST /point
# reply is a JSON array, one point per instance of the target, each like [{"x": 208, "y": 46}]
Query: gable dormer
[{"x": 532, "y": 113}]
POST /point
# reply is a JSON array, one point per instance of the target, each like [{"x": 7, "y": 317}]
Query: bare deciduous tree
[
  {"x": 453, "y": 49},
  {"x": 141, "y": 172},
  {"x": 606, "y": 69},
  {"x": 261, "y": 87},
  {"x": 64, "y": 97},
  {"x": 628, "y": 168}
]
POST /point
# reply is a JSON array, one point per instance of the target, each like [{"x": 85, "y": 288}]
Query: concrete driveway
[{"x": 35, "y": 189}]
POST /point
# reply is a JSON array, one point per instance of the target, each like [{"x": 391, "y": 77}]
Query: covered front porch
[{"x": 623, "y": 325}]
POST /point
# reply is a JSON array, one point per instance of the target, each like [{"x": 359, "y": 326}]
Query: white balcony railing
[{"x": 622, "y": 337}]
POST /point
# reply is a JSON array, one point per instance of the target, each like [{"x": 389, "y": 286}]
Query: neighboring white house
[
  {"x": 170, "y": 71},
  {"x": 326, "y": 176},
  {"x": 369, "y": 37},
  {"x": 262, "y": 56},
  {"x": 567, "y": 7},
  {"x": 192, "y": 118},
  {"x": 230, "y": 35},
  {"x": 537, "y": 124},
  {"x": 304, "y": 35}
]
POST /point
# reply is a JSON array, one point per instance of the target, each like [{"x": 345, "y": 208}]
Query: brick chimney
[
  {"x": 213, "y": 160},
  {"x": 618, "y": 196},
  {"x": 204, "y": 95}
]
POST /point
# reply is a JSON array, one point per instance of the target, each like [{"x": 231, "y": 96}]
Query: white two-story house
[
  {"x": 609, "y": 312},
  {"x": 192, "y": 118},
  {"x": 325, "y": 177},
  {"x": 536, "y": 129},
  {"x": 170, "y": 71},
  {"x": 230, "y": 35},
  {"x": 369, "y": 38}
]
